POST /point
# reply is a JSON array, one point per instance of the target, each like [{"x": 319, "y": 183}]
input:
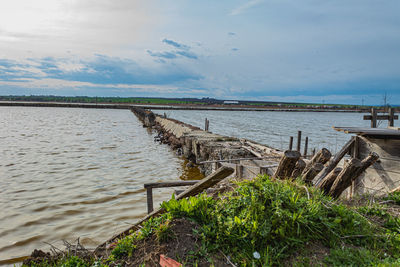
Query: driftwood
[
  {"x": 207, "y": 182},
  {"x": 312, "y": 171},
  {"x": 350, "y": 172},
  {"x": 287, "y": 164},
  {"x": 298, "y": 169},
  {"x": 327, "y": 182},
  {"x": 333, "y": 162}
]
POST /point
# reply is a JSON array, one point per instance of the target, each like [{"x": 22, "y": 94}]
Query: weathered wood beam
[
  {"x": 298, "y": 169},
  {"x": 321, "y": 157},
  {"x": 327, "y": 182},
  {"x": 333, "y": 162},
  {"x": 312, "y": 171},
  {"x": 353, "y": 168},
  {"x": 171, "y": 184},
  {"x": 287, "y": 164},
  {"x": 343, "y": 180}
]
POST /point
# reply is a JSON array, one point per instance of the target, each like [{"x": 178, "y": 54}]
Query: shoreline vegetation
[
  {"x": 186, "y": 102},
  {"x": 258, "y": 222}
]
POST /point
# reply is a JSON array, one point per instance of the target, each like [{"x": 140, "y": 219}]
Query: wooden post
[
  {"x": 326, "y": 184},
  {"x": 298, "y": 169},
  {"x": 391, "y": 117},
  {"x": 305, "y": 147},
  {"x": 311, "y": 172},
  {"x": 298, "y": 140},
  {"x": 374, "y": 117},
  {"x": 350, "y": 172},
  {"x": 149, "y": 200},
  {"x": 333, "y": 162},
  {"x": 291, "y": 143},
  {"x": 287, "y": 164},
  {"x": 321, "y": 157},
  {"x": 343, "y": 180},
  {"x": 355, "y": 154},
  {"x": 206, "y": 125},
  {"x": 263, "y": 170},
  {"x": 239, "y": 171}
]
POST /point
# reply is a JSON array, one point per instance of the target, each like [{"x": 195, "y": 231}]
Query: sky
[{"x": 320, "y": 51}]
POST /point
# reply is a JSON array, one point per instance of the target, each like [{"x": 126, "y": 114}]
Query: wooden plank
[
  {"x": 207, "y": 182},
  {"x": 333, "y": 162},
  {"x": 369, "y": 131},
  {"x": 171, "y": 184},
  {"x": 381, "y": 117}
]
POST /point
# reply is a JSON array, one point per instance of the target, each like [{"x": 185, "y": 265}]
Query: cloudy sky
[{"x": 332, "y": 51}]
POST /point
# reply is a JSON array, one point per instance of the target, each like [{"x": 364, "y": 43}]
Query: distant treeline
[{"x": 165, "y": 101}]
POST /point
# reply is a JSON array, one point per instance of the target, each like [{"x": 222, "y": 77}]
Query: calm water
[
  {"x": 69, "y": 173},
  {"x": 275, "y": 128}
]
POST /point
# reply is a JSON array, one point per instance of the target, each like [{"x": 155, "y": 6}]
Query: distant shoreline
[{"x": 171, "y": 107}]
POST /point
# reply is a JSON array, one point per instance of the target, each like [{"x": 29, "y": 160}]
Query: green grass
[{"x": 265, "y": 222}]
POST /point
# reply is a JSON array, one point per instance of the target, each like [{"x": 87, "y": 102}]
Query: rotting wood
[
  {"x": 312, "y": 171},
  {"x": 355, "y": 169},
  {"x": 207, "y": 182},
  {"x": 333, "y": 162},
  {"x": 343, "y": 180},
  {"x": 327, "y": 182},
  {"x": 287, "y": 164},
  {"x": 322, "y": 157},
  {"x": 298, "y": 169}
]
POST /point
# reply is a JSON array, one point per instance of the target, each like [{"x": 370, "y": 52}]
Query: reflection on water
[
  {"x": 274, "y": 128},
  {"x": 69, "y": 173}
]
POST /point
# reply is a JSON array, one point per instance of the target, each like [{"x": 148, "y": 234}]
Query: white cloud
[{"x": 242, "y": 8}]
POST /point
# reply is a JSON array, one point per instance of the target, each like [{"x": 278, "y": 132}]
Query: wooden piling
[
  {"x": 391, "y": 117},
  {"x": 287, "y": 164},
  {"x": 298, "y": 141},
  {"x": 298, "y": 169},
  {"x": 327, "y": 182},
  {"x": 149, "y": 200},
  {"x": 374, "y": 115},
  {"x": 333, "y": 162},
  {"x": 291, "y": 143},
  {"x": 305, "y": 147}
]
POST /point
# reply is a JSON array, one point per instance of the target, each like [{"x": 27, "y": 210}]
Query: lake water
[
  {"x": 69, "y": 173},
  {"x": 273, "y": 128}
]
